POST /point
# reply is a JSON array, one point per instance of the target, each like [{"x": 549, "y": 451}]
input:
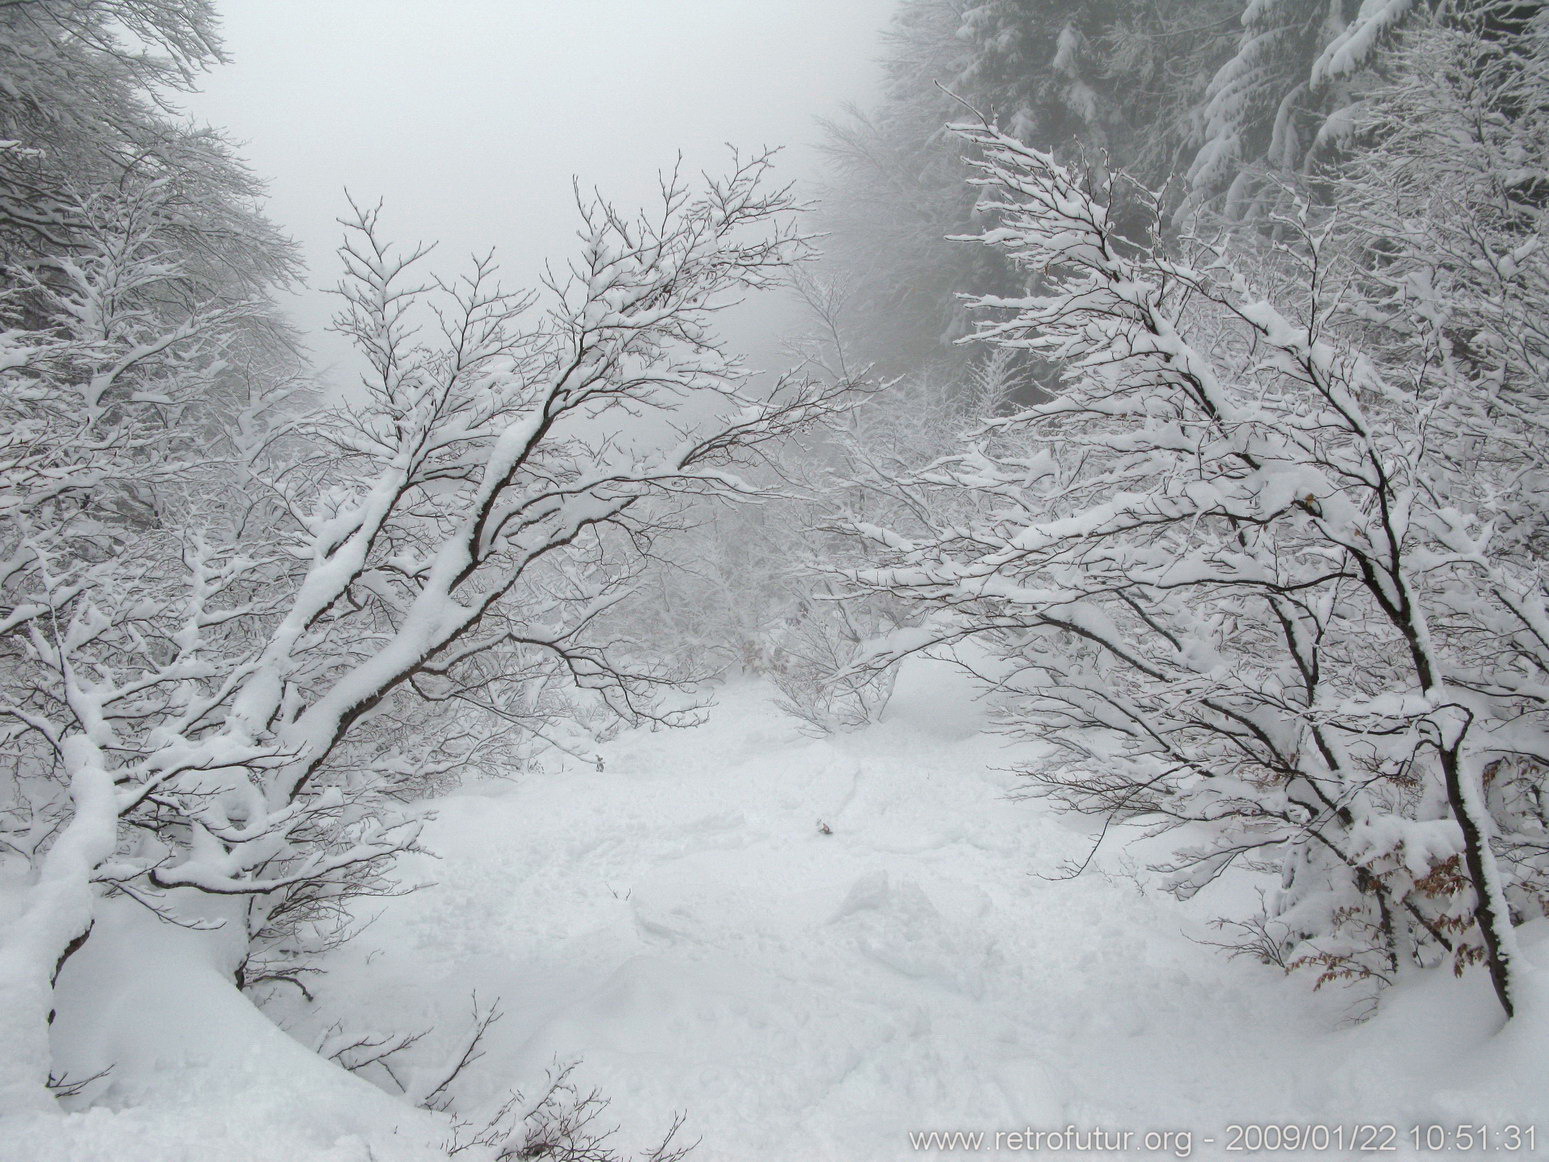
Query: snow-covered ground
[{"x": 812, "y": 948}]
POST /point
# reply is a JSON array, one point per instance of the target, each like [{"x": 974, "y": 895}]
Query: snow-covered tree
[
  {"x": 204, "y": 712},
  {"x": 1445, "y": 220},
  {"x": 1110, "y": 81},
  {"x": 896, "y": 193},
  {"x": 86, "y": 108},
  {"x": 1293, "y": 98},
  {"x": 1255, "y": 581}
]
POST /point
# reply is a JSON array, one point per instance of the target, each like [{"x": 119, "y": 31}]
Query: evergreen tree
[{"x": 1100, "y": 82}]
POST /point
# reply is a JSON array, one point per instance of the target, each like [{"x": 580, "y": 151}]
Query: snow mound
[{"x": 194, "y": 1071}]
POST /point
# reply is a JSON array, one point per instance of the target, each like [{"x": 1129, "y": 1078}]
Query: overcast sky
[{"x": 469, "y": 117}]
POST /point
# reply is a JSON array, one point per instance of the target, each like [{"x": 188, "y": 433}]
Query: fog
[
  {"x": 470, "y": 118},
  {"x": 1096, "y": 708}
]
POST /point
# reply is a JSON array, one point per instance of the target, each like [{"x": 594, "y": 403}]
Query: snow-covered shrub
[
  {"x": 443, "y": 1070},
  {"x": 815, "y": 628},
  {"x": 566, "y": 1123},
  {"x": 817, "y": 655},
  {"x": 811, "y": 657}
]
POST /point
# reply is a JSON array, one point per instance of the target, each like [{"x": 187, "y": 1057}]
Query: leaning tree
[
  {"x": 213, "y": 703},
  {"x": 1265, "y": 576}
]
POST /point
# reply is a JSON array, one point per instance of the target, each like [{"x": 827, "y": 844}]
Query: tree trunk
[
  {"x": 1490, "y": 908},
  {"x": 54, "y": 922}
]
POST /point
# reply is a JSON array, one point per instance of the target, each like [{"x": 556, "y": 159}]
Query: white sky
[{"x": 469, "y": 117}]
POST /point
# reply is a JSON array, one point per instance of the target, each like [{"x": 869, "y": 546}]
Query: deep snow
[{"x": 681, "y": 923}]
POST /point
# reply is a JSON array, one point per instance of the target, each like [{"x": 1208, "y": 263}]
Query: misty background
[
  {"x": 470, "y": 119},
  {"x": 1103, "y": 689}
]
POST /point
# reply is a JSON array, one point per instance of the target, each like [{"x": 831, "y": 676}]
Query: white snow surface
[
  {"x": 681, "y": 924},
  {"x": 198, "y": 1074}
]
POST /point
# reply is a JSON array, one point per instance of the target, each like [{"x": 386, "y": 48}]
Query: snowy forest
[{"x": 1080, "y": 690}]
